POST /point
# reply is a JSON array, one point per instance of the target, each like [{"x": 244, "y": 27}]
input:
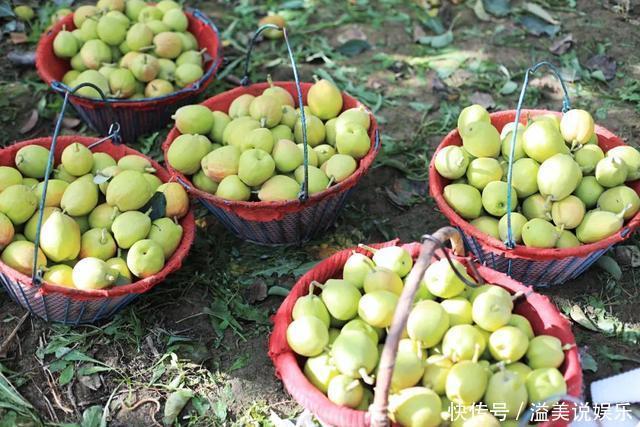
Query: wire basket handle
[
  {"x": 379, "y": 408},
  {"x": 304, "y": 189},
  {"x": 114, "y": 135},
  {"x": 566, "y": 106}
]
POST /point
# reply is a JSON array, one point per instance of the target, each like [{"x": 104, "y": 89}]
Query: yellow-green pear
[
  {"x": 324, "y": 100},
  {"x": 177, "y": 199},
  {"x": 93, "y": 273},
  {"x": 232, "y": 188},
  {"x": 318, "y": 180},
  {"x": 130, "y": 227},
  {"x": 277, "y": 188},
  {"x": 97, "y": 243},
  {"x": 60, "y": 237},
  {"x": 128, "y": 191},
  {"x": 9, "y": 176},
  {"x": 19, "y": 256},
  {"x": 18, "y": 203},
  {"x": 167, "y": 233},
  {"x": 77, "y": 159},
  {"x": 80, "y": 197},
  {"x": 145, "y": 258},
  {"x": 61, "y": 275}
]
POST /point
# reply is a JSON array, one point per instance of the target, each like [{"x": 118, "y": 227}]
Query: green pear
[
  {"x": 315, "y": 130},
  {"x": 9, "y": 176},
  {"x": 318, "y": 180},
  {"x": 506, "y": 143},
  {"x": 358, "y": 324},
  {"x": 320, "y": 371},
  {"x": 233, "y": 188},
  {"x": 567, "y": 240},
  {"x": 167, "y": 45},
  {"x": 176, "y": 20},
  {"x": 256, "y": 166},
  {"x": 330, "y": 131},
  {"x": 545, "y": 351},
  {"x": 538, "y": 233},
  {"x": 341, "y": 299},
  {"x": 82, "y": 13},
  {"x": 287, "y": 156},
  {"x": 482, "y": 171},
  {"x": 18, "y": 203},
  {"x": 177, "y": 199},
  {"x": 354, "y": 354},
  {"x": 311, "y": 305},
  {"x": 506, "y": 392},
  {"x": 451, "y": 162},
  {"x": 145, "y": 258},
  {"x": 324, "y": 152},
  {"x": 441, "y": 280},
  {"x": 93, "y": 273},
  {"x": 394, "y": 258},
  {"x": 488, "y": 225},
  {"x": 536, "y": 206},
  {"x": 221, "y": 162},
  {"x": 508, "y": 344},
  {"x": 101, "y": 161},
  {"x": 258, "y": 138},
  {"x": 611, "y": 172},
  {"x": 189, "y": 56},
  {"x": 545, "y": 386},
  {"x": 558, "y": 176},
  {"x": 357, "y": 114},
  {"x": 517, "y": 222},
  {"x": 356, "y": 268},
  {"x": 60, "y": 237},
  {"x": 340, "y": 167},
  {"x": 240, "y": 106},
  {"x": 353, "y": 140},
  {"x": 631, "y": 158},
  {"x": 167, "y": 233},
  {"x": 111, "y": 30},
  {"x": 458, "y": 309},
  {"x": 463, "y": 342},
  {"x": 491, "y": 311},
  {"x": 194, "y": 119},
  {"x": 494, "y": 198},
  {"x": 523, "y": 324},
  {"x": 524, "y": 177},
  {"x": 577, "y": 127},
  {"x": 464, "y": 199},
  {"x": 80, "y": 197},
  {"x": 95, "y": 52},
  {"x": 281, "y": 131},
  {"x": 153, "y": 181},
  {"x": 620, "y": 198},
  {"x": 466, "y": 382},
  {"x": 289, "y": 117},
  {"x": 235, "y": 132},
  {"x": 312, "y": 157},
  {"x": 65, "y": 44},
  {"x": 119, "y": 265},
  {"x": 481, "y": 139},
  {"x": 31, "y": 226},
  {"x": 31, "y": 161},
  {"x": 98, "y": 243},
  {"x": 55, "y": 190},
  {"x": 345, "y": 391},
  {"x": 267, "y": 110},
  {"x": 381, "y": 278},
  {"x": 149, "y": 13},
  {"x": 204, "y": 183},
  {"x": 598, "y": 225},
  {"x": 61, "y": 275},
  {"x": 187, "y": 74},
  {"x": 436, "y": 368},
  {"x": 19, "y": 256},
  {"x": 408, "y": 368},
  {"x": 568, "y": 212},
  {"x": 588, "y": 157},
  {"x": 7, "y": 231},
  {"x": 278, "y": 188},
  {"x": 157, "y": 88},
  {"x": 307, "y": 336},
  {"x": 128, "y": 191},
  {"x": 324, "y": 100},
  {"x": 519, "y": 368},
  {"x": 589, "y": 191},
  {"x": 139, "y": 36},
  {"x": 471, "y": 114},
  {"x": 542, "y": 140},
  {"x": 427, "y": 323},
  {"x": 415, "y": 406},
  {"x": 377, "y": 308},
  {"x": 130, "y": 227}
]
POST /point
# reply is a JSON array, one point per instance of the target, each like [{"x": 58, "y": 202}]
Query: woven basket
[
  {"x": 136, "y": 117},
  {"x": 532, "y": 266},
  {"x": 539, "y": 310},
  {"x": 73, "y": 306}
]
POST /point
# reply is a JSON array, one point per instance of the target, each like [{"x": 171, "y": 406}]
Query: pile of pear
[
  {"x": 96, "y": 231},
  {"x": 254, "y": 150},
  {"x": 462, "y": 345},
  {"x": 130, "y": 49},
  {"x": 565, "y": 190}
]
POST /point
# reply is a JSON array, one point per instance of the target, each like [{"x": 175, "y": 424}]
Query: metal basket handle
[
  {"x": 304, "y": 190},
  {"x": 114, "y": 131},
  {"x": 566, "y": 106},
  {"x": 379, "y": 409}
]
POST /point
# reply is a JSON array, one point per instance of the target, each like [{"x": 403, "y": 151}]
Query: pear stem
[
  {"x": 353, "y": 384},
  {"x": 476, "y": 354},
  {"x": 269, "y": 80},
  {"x": 317, "y": 285},
  {"x": 498, "y": 366},
  {"x": 517, "y": 295},
  {"x": 369, "y": 379},
  {"x": 331, "y": 181},
  {"x": 568, "y": 347},
  {"x": 367, "y": 248}
]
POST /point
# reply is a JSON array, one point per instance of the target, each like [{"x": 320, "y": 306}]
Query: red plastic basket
[
  {"x": 538, "y": 309},
  {"x": 532, "y": 266},
  {"x": 287, "y": 222},
  {"x": 136, "y": 117},
  {"x": 74, "y": 306}
]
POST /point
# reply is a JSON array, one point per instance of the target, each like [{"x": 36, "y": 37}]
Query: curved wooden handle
[{"x": 379, "y": 409}]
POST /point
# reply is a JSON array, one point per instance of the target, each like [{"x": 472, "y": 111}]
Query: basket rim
[
  {"x": 194, "y": 88},
  {"x": 140, "y": 286},
  {"x": 290, "y": 372},
  {"x": 521, "y": 251},
  {"x": 364, "y": 164}
]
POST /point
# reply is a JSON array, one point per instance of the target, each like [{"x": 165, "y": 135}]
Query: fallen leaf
[
  {"x": 578, "y": 316},
  {"x": 509, "y": 87},
  {"x": 438, "y": 41},
  {"x": 21, "y": 58},
  {"x": 440, "y": 88},
  {"x": 30, "y": 123},
  {"x": 549, "y": 84},
  {"x": 628, "y": 255},
  {"x": 351, "y": 33},
  {"x": 418, "y": 32},
  {"x": 255, "y": 292},
  {"x": 587, "y": 361},
  {"x": 603, "y": 63},
  {"x": 484, "y": 99},
  {"x": 478, "y": 9},
  {"x": 18, "y": 38},
  {"x": 610, "y": 265},
  {"x": 353, "y": 47},
  {"x": 405, "y": 193},
  {"x": 497, "y": 7},
  {"x": 562, "y": 45},
  {"x": 537, "y": 26},
  {"x": 541, "y": 13}
]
